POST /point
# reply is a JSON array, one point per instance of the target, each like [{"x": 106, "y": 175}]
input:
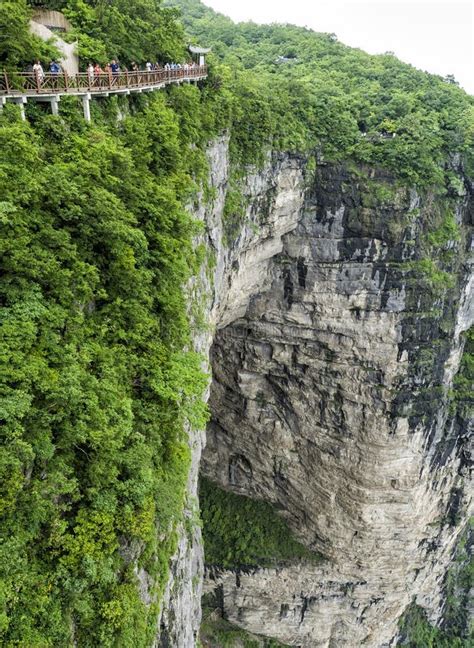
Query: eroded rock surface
[{"x": 332, "y": 364}]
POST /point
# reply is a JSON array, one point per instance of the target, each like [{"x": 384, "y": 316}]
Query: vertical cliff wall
[
  {"x": 336, "y": 328},
  {"x": 333, "y": 357},
  {"x": 230, "y": 276}
]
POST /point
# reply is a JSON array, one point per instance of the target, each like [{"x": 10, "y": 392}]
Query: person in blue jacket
[{"x": 115, "y": 67}]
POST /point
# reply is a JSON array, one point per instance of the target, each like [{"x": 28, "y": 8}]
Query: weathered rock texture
[
  {"x": 181, "y": 607},
  {"x": 332, "y": 362}
]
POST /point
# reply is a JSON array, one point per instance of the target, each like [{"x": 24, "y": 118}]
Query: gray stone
[{"x": 321, "y": 403}]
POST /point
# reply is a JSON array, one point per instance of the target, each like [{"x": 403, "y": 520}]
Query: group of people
[
  {"x": 150, "y": 67},
  {"x": 38, "y": 70},
  {"x": 114, "y": 68},
  {"x": 94, "y": 71}
]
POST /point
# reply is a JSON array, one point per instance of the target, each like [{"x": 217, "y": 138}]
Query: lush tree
[
  {"x": 17, "y": 45},
  {"x": 96, "y": 383},
  {"x": 129, "y": 31},
  {"x": 241, "y": 532},
  {"x": 341, "y": 102}
]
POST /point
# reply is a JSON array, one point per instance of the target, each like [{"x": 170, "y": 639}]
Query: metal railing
[{"x": 29, "y": 83}]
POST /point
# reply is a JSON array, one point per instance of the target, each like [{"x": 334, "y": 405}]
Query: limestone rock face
[
  {"x": 333, "y": 353},
  {"x": 181, "y": 608}
]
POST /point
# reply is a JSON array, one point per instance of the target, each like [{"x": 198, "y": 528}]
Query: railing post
[
  {"x": 66, "y": 81},
  {"x": 7, "y": 85},
  {"x": 110, "y": 79}
]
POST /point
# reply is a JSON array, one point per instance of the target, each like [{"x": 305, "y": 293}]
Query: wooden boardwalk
[{"x": 21, "y": 87}]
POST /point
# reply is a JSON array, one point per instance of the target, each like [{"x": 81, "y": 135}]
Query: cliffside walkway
[{"x": 20, "y": 87}]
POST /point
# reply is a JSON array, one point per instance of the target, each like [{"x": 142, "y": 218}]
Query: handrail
[{"x": 29, "y": 83}]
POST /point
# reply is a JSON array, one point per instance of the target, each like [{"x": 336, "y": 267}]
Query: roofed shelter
[{"x": 199, "y": 53}]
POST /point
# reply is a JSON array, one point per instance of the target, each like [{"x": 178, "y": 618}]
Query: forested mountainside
[
  {"x": 316, "y": 93},
  {"x": 100, "y": 381}
]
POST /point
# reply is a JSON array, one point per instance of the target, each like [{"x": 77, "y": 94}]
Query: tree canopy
[
  {"x": 129, "y": 31},
  {"x": 314, "y": 93},
  {"x": 98, "y": 381}
]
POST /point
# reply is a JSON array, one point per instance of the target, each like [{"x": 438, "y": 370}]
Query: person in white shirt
[
  {"x": 38, "y": 72},
  {"x": 90, "y": 73}
]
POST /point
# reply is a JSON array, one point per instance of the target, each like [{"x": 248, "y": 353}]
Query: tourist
[
  {"x": 115, "y": 67},
  {"x": 38, "y": 72},
  {"x": 54, "y": 68},
  {"x": 98, "y": 72},
  {"x": 90, "y": 73},
  {"x": 135, "y": 67},
  {"x": 148, "y": 66}
]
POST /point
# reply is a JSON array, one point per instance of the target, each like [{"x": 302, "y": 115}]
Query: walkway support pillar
[
  {"x": 86, "y": 106},
  {"x": 21, "y": 101},
  {"x": 55, "y": 105}
]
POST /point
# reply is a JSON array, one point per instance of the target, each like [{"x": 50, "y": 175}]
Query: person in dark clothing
[
  {"x": 115, "y": 67},
  {"x": 54, "y": 69}
]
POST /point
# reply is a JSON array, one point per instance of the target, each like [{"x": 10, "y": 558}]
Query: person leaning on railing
[
  {"x": 55, "y": 70},
  {"x": 38, "y": 72},
  {"x": 114, "y": 67},
  {"x": 91, "y": 74}
]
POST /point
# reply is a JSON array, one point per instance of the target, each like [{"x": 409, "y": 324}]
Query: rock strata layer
[{"x": 333, "y": 353}]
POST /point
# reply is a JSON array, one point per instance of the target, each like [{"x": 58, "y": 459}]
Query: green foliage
[
  {"x": 97, "y": 385},
  {"x": 17, "y": 45},
  {"x": 457, "y": 617},
  {"x": 239, "y": 531},
  {"x": 336, "y": 100},
  {"x": 457, "y": 630},
  {"x": 217, "y": 632},
  {"x": 446, "y": 233},
  {"x": 463, "y": 393},
  {"x": 429, "y": 271},
  {"x": 234, "y": 209},
  {"x": 129, "y": 31},
  {"x": 417, "y": 632},
  {"x": 436, "y": 249}
]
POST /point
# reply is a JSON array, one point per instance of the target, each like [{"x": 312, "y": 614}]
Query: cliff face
[{"x": 333, "y": 348}]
